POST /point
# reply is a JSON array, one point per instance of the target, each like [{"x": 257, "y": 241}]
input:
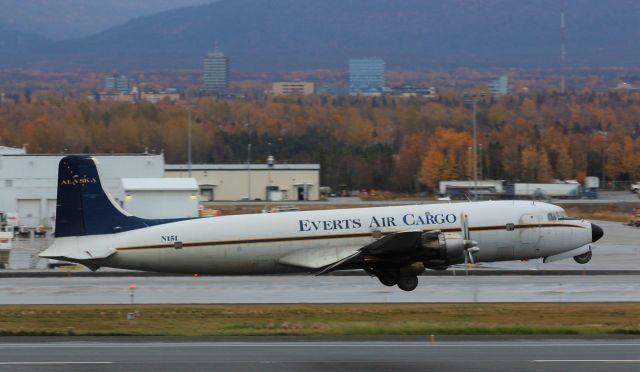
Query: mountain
[
  {"x": 276, "y": 35},
  {"x": 67, "y": 19}
]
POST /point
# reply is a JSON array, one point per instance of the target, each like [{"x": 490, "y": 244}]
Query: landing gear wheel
[
  {"x": 583, "y": 258},
  {"x": 408, "y": 283},
  {"x": 388, "y": 278}
]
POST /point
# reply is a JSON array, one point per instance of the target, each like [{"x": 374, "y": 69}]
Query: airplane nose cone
[{"x": 596, "y": 232}]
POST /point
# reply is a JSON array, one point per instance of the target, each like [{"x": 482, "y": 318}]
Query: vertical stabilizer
[{"x": 84, "y": 207}]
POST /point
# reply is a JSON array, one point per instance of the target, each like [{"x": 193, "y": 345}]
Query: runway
[
  {"x": 308, "y": 289},
  {"x": 619, "y": 250},
  {"x": 375, "y": 354}
]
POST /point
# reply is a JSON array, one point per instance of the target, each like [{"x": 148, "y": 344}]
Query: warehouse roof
[{"x": 240, "y": 167}]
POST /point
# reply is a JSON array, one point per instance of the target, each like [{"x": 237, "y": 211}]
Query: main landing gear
[
  {"x": 391, "y": 278},
  {"x": 388, "y": 278},
  {"x": 408, "y": 283}
]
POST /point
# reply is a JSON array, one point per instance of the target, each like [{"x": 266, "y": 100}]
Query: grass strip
[{"x": 321, "y": 320}]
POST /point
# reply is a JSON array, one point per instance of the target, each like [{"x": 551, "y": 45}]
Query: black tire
[
  {"x": 583, "y": 258},
  {"x": 635, "y": 191},
  {"x": 388, "y": 278},
  {"x": 408, "y": 283}
]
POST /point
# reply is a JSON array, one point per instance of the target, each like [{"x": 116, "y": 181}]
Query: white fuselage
[{"x": 260, "y": 243}]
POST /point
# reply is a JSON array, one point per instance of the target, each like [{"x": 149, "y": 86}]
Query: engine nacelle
[{"x": 443, "y": 248}]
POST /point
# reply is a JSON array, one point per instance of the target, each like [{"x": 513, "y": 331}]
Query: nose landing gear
[{"x": 583, "y": 258}]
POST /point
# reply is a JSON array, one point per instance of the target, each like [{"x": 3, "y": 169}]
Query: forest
[{"x": 387, "y": 143}]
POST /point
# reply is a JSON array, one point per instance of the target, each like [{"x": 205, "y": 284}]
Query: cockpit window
[{"x": 559, "y": 216}]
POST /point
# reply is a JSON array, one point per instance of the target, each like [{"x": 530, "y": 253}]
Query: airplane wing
[
  {"x": 433, "y": 249},
  {"x": 394, "y": 244}
]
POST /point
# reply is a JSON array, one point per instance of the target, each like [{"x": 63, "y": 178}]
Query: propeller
[{"x": 470, "y": 246}]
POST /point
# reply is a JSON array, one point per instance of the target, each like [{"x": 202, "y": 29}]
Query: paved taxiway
[{"x": 258, "y": 354}]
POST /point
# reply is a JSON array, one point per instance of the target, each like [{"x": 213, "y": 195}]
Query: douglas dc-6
[{"x": 395, "y": 244}]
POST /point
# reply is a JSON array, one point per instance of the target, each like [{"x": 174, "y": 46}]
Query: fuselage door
[{"x": 529, "y": 229}]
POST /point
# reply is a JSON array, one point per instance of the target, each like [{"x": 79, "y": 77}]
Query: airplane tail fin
[{"x": 84, "y": 206}]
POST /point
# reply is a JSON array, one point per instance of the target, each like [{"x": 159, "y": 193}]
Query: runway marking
[
  {"x": 314, "y": 344},
  {"x": 586, "y": 361},
  {"x": 39, "y": 363}
]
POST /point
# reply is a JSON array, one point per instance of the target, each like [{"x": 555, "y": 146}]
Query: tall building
[
  {"x": 366, "y": 76},
  {"x": 118, "y": 83},
  {"x": 499, "y": 87},
  {"x": 292, "y": 88},
  {"x": 216, "y": 73}
]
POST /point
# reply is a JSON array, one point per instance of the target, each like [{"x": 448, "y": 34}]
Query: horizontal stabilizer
[{"x": 80, "y": 248}]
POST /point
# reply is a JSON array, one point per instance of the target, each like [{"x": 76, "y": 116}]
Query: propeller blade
[
  {"x": 464, "y": 226},
  {"x": 466, "y": 264}
]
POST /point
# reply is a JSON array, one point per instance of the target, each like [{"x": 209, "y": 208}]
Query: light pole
[
  {"x": 189, "y": 142},
  {"x": 473, "y": 97},
  {"x": 249, "y": 171},
  {"x": 475, "y": 150},
  {"x": 481, "y": 161},
  {"x": 605, "y": 135},
  {"x": 269, "y": 166}
]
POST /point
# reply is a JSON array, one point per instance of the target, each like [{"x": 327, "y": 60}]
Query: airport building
[
  {"x": 216, "y": 73},
  {"x": 144, "y": 186},
  {"x": 366, "y": 76},
  {"x": 280, "y": 182},
  {"x": 151, "y": 197},
  {"x": 28, "y": 182}
]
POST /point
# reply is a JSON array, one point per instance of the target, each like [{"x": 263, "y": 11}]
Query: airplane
[{"x": 395, "y": 244}]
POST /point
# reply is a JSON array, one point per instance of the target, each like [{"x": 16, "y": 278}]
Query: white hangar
[
  {"x": 28, "y": 182},
  {"x": 278, "y": 182}
]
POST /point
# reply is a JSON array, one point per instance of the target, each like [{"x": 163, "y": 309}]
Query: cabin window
[
  {"x": 177, "y": 245},
  {"x": 510, "y": 227},
  {"x": 552, "y": 217}
]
